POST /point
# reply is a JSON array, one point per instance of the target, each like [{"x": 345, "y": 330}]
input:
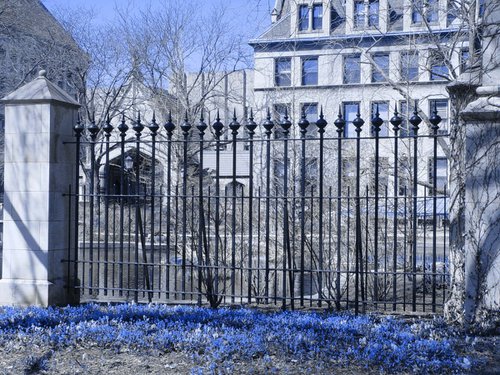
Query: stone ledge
[{"x": 483, "y": 109}]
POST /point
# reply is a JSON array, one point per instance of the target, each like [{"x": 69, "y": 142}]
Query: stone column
[
  {"x": 39, "y": 167},
  {"x": 482, "y": 204},
  {"x": 475, "y": 182}
]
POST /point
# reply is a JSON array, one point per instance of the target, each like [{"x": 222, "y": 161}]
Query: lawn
[{"x": 223, "y": 340}]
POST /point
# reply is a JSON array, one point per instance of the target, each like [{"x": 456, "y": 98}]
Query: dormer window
[
  {"x": 424, "y": 9},
  {"x": 366, "y": 13},
  {"x": 317, "y": 11},
  {"x": 310, "y": 17},
  {"x": 303, "y": 18}
]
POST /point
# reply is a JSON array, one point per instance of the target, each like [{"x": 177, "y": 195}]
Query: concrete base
[{"x": 15, "y": 292}]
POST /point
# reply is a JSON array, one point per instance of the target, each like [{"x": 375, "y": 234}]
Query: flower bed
[{"x": 219, "y": 337}]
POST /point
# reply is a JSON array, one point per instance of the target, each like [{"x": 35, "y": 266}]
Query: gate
[{"x": 345, "y": 215}]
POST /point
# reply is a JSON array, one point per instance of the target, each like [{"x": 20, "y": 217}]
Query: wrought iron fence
[{"x": 278, "y": 214}]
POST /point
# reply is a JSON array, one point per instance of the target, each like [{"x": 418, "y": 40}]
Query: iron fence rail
[{"x": 327, "y": 220}]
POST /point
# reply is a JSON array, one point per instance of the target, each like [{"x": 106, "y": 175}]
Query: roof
[
  {"x": 282, "y": 28},
  {"x": 36, "y": 21}
]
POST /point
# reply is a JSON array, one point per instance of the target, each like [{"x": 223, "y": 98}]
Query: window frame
[
  {"x": 279, "y": 113},
  {"x": 439, "y": 177},
  {"x": 305, "y": 108},
  {"x": 407, "y": 59},
  {"x": 445, "y": 115},
  {"x": 358, "y": 17},
  {"x": 347, "y": 73},
  {"x": 315, "y": 17},
  {"x": 405, "y": 111},
  {"x": 375, "y": 72},
  {"x": 303, "y": 18},
  {"x": 371, "y": 15},
  {"x": 425, "y": 9},
  {"x": 280, "y": 74},
  {"x": 349, "y": 129},
  {"x": 437, "y": 67},
  {"x": 307, "y": 74},
  {"x": 403, "y": 175},
  {"x": 384, "y": 129},
  {"x": 431, "y": 9},
  {"x": 310, "y": 17}
]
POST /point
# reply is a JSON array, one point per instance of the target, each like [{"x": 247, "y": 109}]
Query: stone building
[
  {"x": 32, "y": 39},
  {"x": 362, "y": 55}
]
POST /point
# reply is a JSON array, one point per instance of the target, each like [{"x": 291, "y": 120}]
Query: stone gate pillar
[
  {"x": 479, "y": 274},
  {"x": 482, "y": 203},
  {"x": 39, "y": 167}
]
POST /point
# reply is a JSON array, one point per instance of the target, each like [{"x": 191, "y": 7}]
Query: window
[
  {"x": 317, "y": 17},
  {"x": 482, "y": 6},
  {"x": 311, "y": 112},
  {"x": 383, "y": 110},
  {"x": 431, "y": 11},
  {"x": 303, "y": 17},
  {"x": 409, "y": 66},
  {"x": 380, "y": 72},
  {"x": 464, "y": 60},
  {"x": 406, "y": 111},
  {"x": 438, "y": 68},
  {"x": 373, "y": 10},
  {"x": 310, "y": 71},
  {"x": 283, "y": 72},
  {"x": 441, "y": 175},
  {"x": 417, "y": 9},
  {"x": 279, "y": 114},
  {"x": 359, "y": 14},
  {"x": 425, "y": 8},
  {"x": 366, "y": 13},
  {"x": 350, "y": 110},
  {"x": 310, "y": 18},
  {"x": 352, "y": 69},
  {"x": 403, "y": 175},
  {"x": 441, "y": 105},
  {"x": 280, "y": 110}
]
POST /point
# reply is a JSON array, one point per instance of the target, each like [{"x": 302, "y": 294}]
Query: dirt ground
[
  {"x": 106, "y": 361},
  {"x": 16, "y": 358}
]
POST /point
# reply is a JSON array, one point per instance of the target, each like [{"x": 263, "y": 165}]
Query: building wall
[{"x": 396, "y": 32}]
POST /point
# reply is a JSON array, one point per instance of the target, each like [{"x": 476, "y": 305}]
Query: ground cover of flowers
[{"x": 202, "y": 340}]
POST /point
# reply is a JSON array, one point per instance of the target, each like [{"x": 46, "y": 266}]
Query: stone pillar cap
[{"x": 40, "y": 90}]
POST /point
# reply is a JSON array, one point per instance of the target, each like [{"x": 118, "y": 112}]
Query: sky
[{"x": 252, "y": 17}]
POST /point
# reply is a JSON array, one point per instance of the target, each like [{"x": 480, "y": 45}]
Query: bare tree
[{"x": 176, "y": 48}]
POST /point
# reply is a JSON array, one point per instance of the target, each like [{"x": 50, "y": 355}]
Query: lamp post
[{"x": 129, "y": 165}]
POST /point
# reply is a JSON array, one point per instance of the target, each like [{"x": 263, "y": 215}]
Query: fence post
[
  {"x": 39, "y": 168},
  {"x": 475, "y": 267},
  {"x": 482, "y": 202}
]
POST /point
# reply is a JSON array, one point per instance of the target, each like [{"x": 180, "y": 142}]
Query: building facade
[{"x": 362, "y": 56}]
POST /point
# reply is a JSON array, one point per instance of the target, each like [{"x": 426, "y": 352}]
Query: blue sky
[{"x": 252, "y": 17}]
